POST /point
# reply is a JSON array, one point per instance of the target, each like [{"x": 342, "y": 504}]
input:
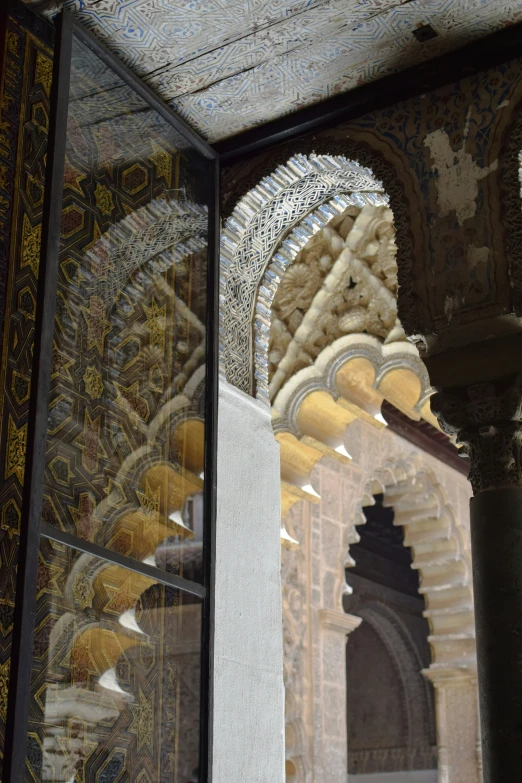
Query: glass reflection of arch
[
  {"x": 133, "y": 400},
  {"x": 162, "y": 471},
  {"x": 117, "y": 656}
]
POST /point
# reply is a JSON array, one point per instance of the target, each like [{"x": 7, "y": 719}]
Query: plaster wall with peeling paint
[{"x": 444, "y": 158}]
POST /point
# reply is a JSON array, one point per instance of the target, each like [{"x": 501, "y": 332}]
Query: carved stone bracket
[
  {"x": 339, "y": 621},
  {"x": 486, "y": 418}
]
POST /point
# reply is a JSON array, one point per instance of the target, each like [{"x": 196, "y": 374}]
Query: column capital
[
  {"x": 444, "y": 676},
  {"x": 338, "y": 621},
  {"x": 486, "y": 419}
]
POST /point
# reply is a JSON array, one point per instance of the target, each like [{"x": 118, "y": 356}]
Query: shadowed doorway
[{"x": 390, "y": 706}]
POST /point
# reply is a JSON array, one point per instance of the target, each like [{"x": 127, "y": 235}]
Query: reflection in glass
[
  {"x": 126, "y": 427},
  {"x": 116, "y": 675}
]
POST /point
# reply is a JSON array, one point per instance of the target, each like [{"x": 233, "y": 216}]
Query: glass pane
[
  {"x": 116, "y": 675},
  {"x": 126, "y": 427}
]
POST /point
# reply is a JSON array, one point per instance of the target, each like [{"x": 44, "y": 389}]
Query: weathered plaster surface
[
  {"x": 444, "y": 166},
  {"x": 458, "y": 175}
]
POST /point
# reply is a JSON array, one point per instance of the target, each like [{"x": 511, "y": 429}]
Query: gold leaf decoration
[
  {"x": 104, "y": 200},
  {"x": 31, "y": 243},
  {"x": 93, "y": 383},
  {"x": 16, "y": 448},
  {"x": 44, "y": 72}
]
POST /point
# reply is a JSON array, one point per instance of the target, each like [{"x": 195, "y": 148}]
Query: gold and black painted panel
[{"x": 25, "y": 84}]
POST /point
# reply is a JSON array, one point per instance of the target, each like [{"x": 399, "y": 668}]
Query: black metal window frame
[{"x": 32, "y": 530}]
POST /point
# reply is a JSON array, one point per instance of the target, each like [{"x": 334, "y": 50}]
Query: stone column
[
  {"x": 486, "y": 419},
  {"x": 457, "y": 724},
  {"x": 334, "y": 627}
]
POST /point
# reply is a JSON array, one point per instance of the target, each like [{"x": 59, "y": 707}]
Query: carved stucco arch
[
  {"x": 440, "y": 551},
  {"x": 269, "y": 226},
  {"x": 389, "y": 166},
  {"x": 321, "y": 375}
]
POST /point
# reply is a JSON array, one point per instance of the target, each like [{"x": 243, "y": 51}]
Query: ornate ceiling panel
[{"x": 228, "y": 65}]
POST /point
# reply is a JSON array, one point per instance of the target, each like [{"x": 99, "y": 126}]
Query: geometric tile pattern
[
  {"x": 24, "y": 110},
  {"x": 228, "y": 65}
]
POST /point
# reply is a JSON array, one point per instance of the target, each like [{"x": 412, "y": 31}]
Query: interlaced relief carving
[
  {"x": 259, "y": 225},
  {"x": 243, "y": 177},
  {"x": 164, "y": 232},
  {"x": 343, "y": 282},
  {"x": 486, "y": 418}
]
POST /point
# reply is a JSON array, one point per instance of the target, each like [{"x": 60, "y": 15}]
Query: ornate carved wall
[
  {"x": 328, "y": 350},
  {"x": 431, "y": 501}
]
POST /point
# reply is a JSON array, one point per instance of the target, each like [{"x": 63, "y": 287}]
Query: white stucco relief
[{"x": 319, "y": 298}]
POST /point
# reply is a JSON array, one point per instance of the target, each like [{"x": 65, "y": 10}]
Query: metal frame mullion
[
  {"x": 109, "y": 555},
  {"x": 25, "y": 603},
  {"x": 210, "y": 488}
]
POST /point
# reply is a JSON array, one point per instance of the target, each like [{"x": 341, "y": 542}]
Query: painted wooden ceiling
[{"x": 229, "y": 65}]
